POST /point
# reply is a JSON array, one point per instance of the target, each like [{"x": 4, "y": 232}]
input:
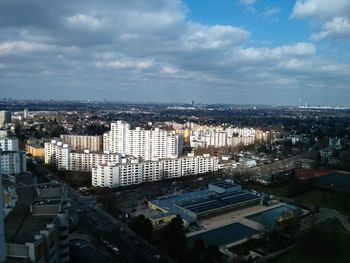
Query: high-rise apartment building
[
  {"x": 142, "y": 143},
  {"x": 83, "y": 142}
]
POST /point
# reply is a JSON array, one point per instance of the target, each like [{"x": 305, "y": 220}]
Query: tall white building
[
  {"x": 141, "y": 143},
  {"x": 114, "y": 175},
  {"x": 61, "y": 156}
]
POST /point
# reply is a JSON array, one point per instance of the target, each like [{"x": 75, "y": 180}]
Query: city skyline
[{"x": 243, "y": 51}]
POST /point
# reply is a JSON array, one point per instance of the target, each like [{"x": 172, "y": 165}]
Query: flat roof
[
  {"x": 169, "y": 203},
  {"x": 216, "y": 201},
  {"x": 20, "y": 225},
  {"x": 201, "y": 201}
]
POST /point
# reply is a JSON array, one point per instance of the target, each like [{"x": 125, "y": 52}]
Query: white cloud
[
  {"x": 247, "y": 2},
  {"x": 214, "y": 37},
  {"x": 320, "y": 8},
  {"x": 330, "y": 18},
  {"x": 126, "y": 64},
  {"x": 85, "y": 21},
  {"x": 300, "y": 49},
  {"x": 169, "y": 70},
  {"x": 272, "y": 11},
  {"x": 19, "y": 47},
  {"x": 338, "y": 27}
]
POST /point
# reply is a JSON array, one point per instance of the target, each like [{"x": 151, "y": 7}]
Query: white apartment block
[
  {"x": 62, "y": 157},
  {"x": 12, "y": 162},
  {"x": 9, "y": 144},
  {"x": 115, "y": 175},
  {"x": 141, "y": 143},
  {"x": 222, "y": 138},
  {"x": 83, "y": 142}
]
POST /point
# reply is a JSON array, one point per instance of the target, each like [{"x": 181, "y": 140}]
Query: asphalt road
[{"x": 101, "y": 225}]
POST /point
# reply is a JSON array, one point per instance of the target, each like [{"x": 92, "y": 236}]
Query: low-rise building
[{"x": 35, "y": 150}]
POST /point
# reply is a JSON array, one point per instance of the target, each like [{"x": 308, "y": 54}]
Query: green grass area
[
  {"x": 297, "y": 255},
  {"x": 325, "y": 199},
  {"x": 314, "y": 197}
]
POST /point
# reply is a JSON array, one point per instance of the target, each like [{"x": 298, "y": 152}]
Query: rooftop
[
  {"x": 21, "y": 226},
  {"x": 201, "y": 201}
]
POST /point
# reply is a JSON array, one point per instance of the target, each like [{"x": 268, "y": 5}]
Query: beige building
[
  {"x": 83, "y": 142},
  {"x": 36, "y": 151}
]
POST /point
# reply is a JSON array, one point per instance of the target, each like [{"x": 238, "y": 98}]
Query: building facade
[
  {"x": 219, "y": 137},
  {"x": 142, "y": 143},
  {"x": 114, "y": 175},
  {"x": 13, "y": 161},
  {"x": 83, "y": 142},
  {"x": 61, "y": 156},
  {"x": 36, "y": 151}
]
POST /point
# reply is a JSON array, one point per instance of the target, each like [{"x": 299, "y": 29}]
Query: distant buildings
[
  {"x": 83, "y": 142},
  {"x": 5, "y": 117},
  {"x": 219, "y": 137},
  {"x": 37, "y": 226},
  {"x": 142, "y": 143},
  {"x": 114, "y": 175}
]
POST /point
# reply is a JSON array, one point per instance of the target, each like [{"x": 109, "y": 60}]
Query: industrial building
[{"x": 220, "y": 197}]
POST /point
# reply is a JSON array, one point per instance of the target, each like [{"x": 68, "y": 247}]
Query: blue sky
[{"x": 213, "y": 51}]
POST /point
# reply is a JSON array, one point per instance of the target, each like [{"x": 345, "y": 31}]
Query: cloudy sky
[{"x": 212, "y": 51}]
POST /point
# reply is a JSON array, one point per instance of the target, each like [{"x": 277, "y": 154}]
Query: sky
[{"x": 212, "y": 51}]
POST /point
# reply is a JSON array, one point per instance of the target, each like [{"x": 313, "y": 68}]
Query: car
[{"x": 115, "y": 250}]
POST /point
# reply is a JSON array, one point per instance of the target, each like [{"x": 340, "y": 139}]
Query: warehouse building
[{"x": 220, "y": 198}]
